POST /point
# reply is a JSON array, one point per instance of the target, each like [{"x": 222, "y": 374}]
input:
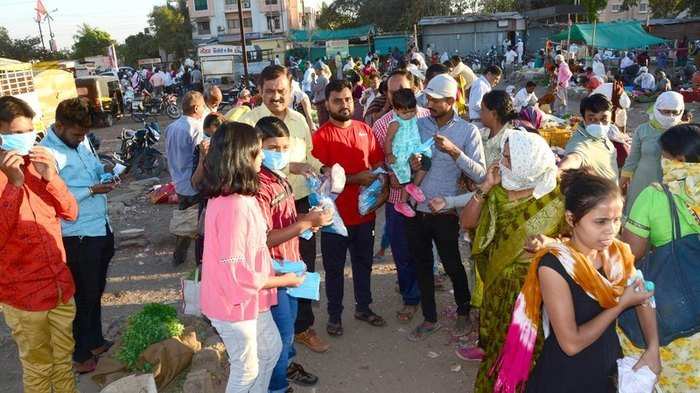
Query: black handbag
[{"x": 675, "y": 270}]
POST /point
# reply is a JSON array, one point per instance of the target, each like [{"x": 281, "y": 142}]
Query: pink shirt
[
  {"x": 379, "y": 130},
  {"x": 236, "y": 262},
  {"x": 563, "y": 75}
]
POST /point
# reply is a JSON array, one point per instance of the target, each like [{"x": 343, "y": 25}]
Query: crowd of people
[{"x": 554, "y": 235}]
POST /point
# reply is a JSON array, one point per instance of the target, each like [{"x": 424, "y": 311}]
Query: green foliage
[
  {"x": 592, "y": 7},
  {"x": 155, "y": 323},
  {"x": 137, "y": 46},
  {"x": 26, "y": 49},
  {"x": 388, "y": 15},
  {"x": 172, "y": 28},
  {"x": 666, "y": 8},
  {"x": 91, "y": 41}
]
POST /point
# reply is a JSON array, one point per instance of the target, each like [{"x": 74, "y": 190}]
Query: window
[
  {"x": 232, "y": 24},
  {"x": 615, "y": 8},
  {"x": 643, "y": 8},
  {"x": 203, "y": 28},
  {"x": 248, "y": 23},
  {"x": 200, "y": 5},
  {"x": 276, "y": 19},
  {"x": 270, "y": 2},
  {"x": 244, "y": 3}
]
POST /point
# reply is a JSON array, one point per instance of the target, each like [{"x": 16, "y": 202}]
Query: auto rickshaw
[{"x": 105, "y": 96}]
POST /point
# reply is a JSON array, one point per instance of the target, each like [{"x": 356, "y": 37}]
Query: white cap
[{"x": 442, "y": 86}]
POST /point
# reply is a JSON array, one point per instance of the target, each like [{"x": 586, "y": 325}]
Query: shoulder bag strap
[{"x": 676, "y": 230}]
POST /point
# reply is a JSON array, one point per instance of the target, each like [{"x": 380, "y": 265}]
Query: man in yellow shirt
[{"x": 276, "y": 89}]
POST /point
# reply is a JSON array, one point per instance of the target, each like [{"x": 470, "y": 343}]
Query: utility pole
[
  {"x": 52, "y": 41},
  {"x": 243, "y": 45},
  {"x": 41, "y": 33}
]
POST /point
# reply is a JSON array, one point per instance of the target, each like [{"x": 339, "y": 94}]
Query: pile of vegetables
[{"x": 155, "y": 323}]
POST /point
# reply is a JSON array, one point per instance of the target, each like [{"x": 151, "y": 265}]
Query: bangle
[
  {"x": 91, "y": 191},
  {"x": 479, "y": 194}
]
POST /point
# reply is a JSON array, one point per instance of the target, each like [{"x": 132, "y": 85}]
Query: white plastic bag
[
  {"x": 630, "y": 381},
  {"x": 190, "y": 295}
]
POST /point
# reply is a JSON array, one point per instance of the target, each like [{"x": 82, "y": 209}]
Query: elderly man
[
  {"x": 181, "y": 137},
  {"x": 276, "y": 94},
  {"x": 458, "y": 150},
  {"x": 212, "y": 100},
  {"x": 88, "y": 241}
]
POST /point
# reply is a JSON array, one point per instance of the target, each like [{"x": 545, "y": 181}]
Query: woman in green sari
[{"x": 518, "y": 200}]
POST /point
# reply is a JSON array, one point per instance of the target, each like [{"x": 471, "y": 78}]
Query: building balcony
[{"x": 232, "y": 5}]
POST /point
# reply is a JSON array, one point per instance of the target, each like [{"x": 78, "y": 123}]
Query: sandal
[
  {"x": 406, "y": 314},
  {"x": 334, "y": 329},
  {"x": 422, "y": 331},
  {"x": 371, "y": 318}
]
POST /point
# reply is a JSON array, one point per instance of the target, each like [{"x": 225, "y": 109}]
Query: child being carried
[{"x": 402, "y": 142}]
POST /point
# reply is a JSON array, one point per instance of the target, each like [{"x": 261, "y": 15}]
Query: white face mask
[
  {"x": 666, "y": 121},
  {"x": 597, "y": 130}
]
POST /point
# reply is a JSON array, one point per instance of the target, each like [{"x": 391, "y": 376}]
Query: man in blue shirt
[
  {"x": 181, "y": 138},
  {"x": 88, "y": 241}
]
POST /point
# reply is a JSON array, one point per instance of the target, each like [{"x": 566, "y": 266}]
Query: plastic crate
[{"x": 16, "y": 78}]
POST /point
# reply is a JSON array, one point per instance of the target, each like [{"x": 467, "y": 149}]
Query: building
[
  {"x": 216, "y": 21},
  {"x": 613, "y": 11},
  {"x": 675, "y": 29},
  {"x": 470, "y": 33},
  {"x": 545, "y": 22}
]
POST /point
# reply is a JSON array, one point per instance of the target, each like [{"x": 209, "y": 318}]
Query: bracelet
[
  {"x": 479, "y": 194},
  {"x": 91, "y": 191}
]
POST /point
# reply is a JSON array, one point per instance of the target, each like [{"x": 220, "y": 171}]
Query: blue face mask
[
  {"x": 19, "y": 142},
  {"x": 275, "y": 160}
]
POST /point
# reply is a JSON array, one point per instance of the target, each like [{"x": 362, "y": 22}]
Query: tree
[
  {"x": 666, "y": 8},
  {"x": 137, "y": 46},
  {"x": 172, "y": 28},
  {"x": 592, "y": 7},
  {"x": 91, "y": 41},
  {"x": 25, "y": 49}
]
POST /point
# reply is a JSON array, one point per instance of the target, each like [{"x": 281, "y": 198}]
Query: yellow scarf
[
  {"x": 683, "y": 178},
  {"x": 515, "y": 360}
]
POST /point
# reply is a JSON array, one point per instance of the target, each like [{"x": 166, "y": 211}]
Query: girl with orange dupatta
[{"x": 578, "y": 288}]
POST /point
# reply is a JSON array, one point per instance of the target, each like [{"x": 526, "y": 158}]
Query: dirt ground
[{"x": 365, "y": 359}]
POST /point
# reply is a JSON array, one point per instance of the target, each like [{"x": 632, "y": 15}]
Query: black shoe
[{"x": 297, "y": 374}]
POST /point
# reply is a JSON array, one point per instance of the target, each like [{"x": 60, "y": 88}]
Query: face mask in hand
[
  {"x": 22, "y": 143},
  {"x": 275, "y": 160},
  {"x": 597, "y": 130}
]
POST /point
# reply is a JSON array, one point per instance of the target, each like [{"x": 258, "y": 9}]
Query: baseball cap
[{"x": 442, "y": 86}]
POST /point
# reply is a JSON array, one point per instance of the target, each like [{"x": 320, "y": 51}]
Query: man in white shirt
[
  {"x": 645, "y": 80},
  {"x": 444, "y": 57},
  {"x": 277, "y": 60},
  {"x": 627, "y": 61},
  {"x": 520, "y": 49},
  {"x": 511, "y": 55},
  {"x": 309, "y": 77},
  {"x": 505, "y": 45},
  {"x": 525, "y": 96},
  {"x": 463, "y": 70},
  {"x": 482, "y": 85},
  {"x": 429, "y": 52},
  {"x": 573, "y": 51}
]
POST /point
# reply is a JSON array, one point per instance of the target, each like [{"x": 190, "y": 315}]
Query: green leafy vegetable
[{"x": 155, "y": 323}]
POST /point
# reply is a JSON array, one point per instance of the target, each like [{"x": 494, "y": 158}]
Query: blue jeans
[
  {"x": 405, "y": 265},
  {"x": 334, "y": 248},
  {"x": 284, "y": 314}
]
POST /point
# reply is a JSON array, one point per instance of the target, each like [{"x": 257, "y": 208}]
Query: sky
[{"x": 120, "y": 18}]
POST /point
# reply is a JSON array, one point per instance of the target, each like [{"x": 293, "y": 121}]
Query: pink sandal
[
  {"x": 403, "y": 208},
  {"x": 415, "y": 192}
]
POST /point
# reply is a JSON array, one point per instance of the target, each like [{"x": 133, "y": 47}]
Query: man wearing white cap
[
  {"x": 457, "y": 150},
  {"x": 645, "y": 80},
  {"x": 482, "y": 85}
]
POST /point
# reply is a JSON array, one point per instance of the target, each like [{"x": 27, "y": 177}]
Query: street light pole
[{"x": 243, "y": 45}]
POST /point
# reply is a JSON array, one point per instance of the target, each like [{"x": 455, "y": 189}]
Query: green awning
[
  {"x": 615, "y": 35},
  {"x": 328, "y": 35}
]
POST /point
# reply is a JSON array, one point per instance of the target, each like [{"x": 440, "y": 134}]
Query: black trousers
[
  {"x": 88, "y": 260},
  {"x": 422, "y": 230},
  {"x": 307, "y": 248},
  {"x": 182, "y": 243}
]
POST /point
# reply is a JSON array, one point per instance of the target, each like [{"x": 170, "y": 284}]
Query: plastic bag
[
  {"x": 190, "y": 295},
  {"x": 374, "y": 195},
  {"x": 321, "y": 195},
  {"x": 164, "y": 193},
  {"x": 630, "y": 381}
]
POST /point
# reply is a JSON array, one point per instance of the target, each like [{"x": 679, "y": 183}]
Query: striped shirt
[
  {"x": 379, "y": 130},
  {"x": 276, "y": 200}
]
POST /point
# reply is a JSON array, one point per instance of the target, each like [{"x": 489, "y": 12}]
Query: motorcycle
[
  {"x": 137, "y": 153},
  {"x": 230, "y": 96},
  {"x": 148, "y": 105}
]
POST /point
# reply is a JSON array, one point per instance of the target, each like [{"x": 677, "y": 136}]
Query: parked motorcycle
[
  {"x": 137, "y": 153},
  {"x": 230, "y": 96},
  {"x": 147, "y": 105}
]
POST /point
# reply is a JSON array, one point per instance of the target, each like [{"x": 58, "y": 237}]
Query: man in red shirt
[
  {"x": 352, "y": 145},
  {"x": 36, "y": 287}
]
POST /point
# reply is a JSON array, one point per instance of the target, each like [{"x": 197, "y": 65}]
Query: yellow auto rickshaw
[{"x": 105, "y": 96}]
